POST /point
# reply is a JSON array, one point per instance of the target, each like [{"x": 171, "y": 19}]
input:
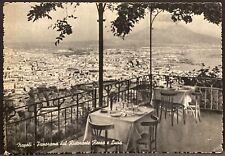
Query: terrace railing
[
  {"x": 212, "y": 98},
  {"x": 210, "y": 88},
  {"x": 47, "y": 121},
  {"x": 57, "y": 116}
]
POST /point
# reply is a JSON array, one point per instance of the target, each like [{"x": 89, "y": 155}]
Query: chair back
[
  {"x": 97, "y": 128},
  {"x": 167, "y": 97},
  {"x": 96, "y": 132},
  {"x": 196, "y": 98},
  {"x": 152, "y": 124}
]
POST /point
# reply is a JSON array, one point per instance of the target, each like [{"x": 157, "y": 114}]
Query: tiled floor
[{"x": 205, "y": 136}]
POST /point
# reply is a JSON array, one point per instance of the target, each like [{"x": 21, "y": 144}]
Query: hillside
[{"x": 172, "y": 35}]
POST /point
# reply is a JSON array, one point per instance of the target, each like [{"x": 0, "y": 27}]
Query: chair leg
[
  {"x": 196, "y": 115},
  {"x": 199, "y": 115},
  {"x": 161, "y": 113},
  {"x": 91, "y": 147},
  {"x": 137, "y": 148},
  {"x": 118, "y": 148},
  {"x": 157, "y": 109},
  {"x": 184, "y": 115},
  {"x": 155, "y": 138},
  {"x": 172, "y": 114},
  {"x": 150, "y": 142},
  {"x": 177, "y": 115},
  {"x": 94, "y": 149},
  {"x": 165, "y": 111}
]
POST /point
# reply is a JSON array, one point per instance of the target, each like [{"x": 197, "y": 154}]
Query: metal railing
[
  {"x": 33, "y": 124},
  {"x": 212, "y": 98},
  {"x": 56, "y": 118}
]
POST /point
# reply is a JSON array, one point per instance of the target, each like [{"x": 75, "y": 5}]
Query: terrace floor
[{"x": 204, "y": 136}]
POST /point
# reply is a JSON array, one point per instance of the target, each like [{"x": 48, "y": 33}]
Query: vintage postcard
[{"x": 122, "y": 77}]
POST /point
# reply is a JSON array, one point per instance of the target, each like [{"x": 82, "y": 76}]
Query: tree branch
[{"x": 158, "y": 12}]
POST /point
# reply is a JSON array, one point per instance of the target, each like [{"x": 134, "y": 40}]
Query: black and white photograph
[{"x": 112, "y": 77}]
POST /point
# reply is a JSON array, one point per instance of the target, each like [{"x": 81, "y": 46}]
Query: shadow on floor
[{"x": 204, "y": 136}]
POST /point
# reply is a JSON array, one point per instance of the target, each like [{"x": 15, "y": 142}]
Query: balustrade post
[
  {"x": 65, "y": 122},
  {"x": 211, "y": 97},
  {"x": 108, "y": 89},
  {"x": 108, "y": 96},
  {"x": 217, "y": 99},
  {"x": 59, "y": 135},
  {"x": 6, "y": 130},
  {"x": 77, "y": 110},
  {"x": 111, "y": 101},
  {"x": 150, "y": 87},
  {"x": 128, "y": 90},
  {"x": 136, "y": 96},
  {"x": 25, "y": 129},
  {"x": 35, "y": 127},
  {"x": 205, "y": 98},
  {"x": 51, "y": 127},
  {"x": 137, "y": 81},
  {"x": 118, "y": 93},
  {"x": 44, "y": 129},
  {"x": 94, "y": 98},
  {"x": 71, "y": 114}
]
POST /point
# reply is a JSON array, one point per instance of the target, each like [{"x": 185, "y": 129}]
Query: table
[
  {"x": 127, "y": 129},
  {"x": 183, "y": 96}
]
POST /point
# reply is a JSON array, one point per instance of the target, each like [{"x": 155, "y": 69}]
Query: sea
[
  {"x": 27, "y": 66},
  {"x": 183, "y": 57}
]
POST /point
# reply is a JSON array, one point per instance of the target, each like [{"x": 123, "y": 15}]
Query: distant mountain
[
  {"x": 51, "y": 45},
  {"x": 171, "y": 35}
]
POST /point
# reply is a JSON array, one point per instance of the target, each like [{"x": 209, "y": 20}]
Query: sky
[{"x": 18, "y": 29}]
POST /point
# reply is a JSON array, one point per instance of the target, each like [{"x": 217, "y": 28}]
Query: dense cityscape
[
  {"x": 24, "y": 68},
  {"x": 149, "y": 85}
]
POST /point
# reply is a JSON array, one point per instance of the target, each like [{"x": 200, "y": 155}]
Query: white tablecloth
[
  {"x": 126, "y": 129},
  {"x": 183, "y": 96}
]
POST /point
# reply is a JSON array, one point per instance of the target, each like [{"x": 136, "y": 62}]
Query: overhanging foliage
[{"x": 129, "y": 14}]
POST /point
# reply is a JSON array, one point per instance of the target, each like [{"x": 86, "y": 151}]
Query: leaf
[
  {"x": 42, "y": 10},
  {"x": 133, "y": 12}
]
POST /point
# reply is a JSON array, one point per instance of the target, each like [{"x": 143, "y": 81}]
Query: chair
[
  {"x": 168, "y": 105},
  {"x": 194, "y": 106},
  {"x": 155, "y": 103},
  {"x": 96, "y": 135},
  {"x": 149, "y": 139}
]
